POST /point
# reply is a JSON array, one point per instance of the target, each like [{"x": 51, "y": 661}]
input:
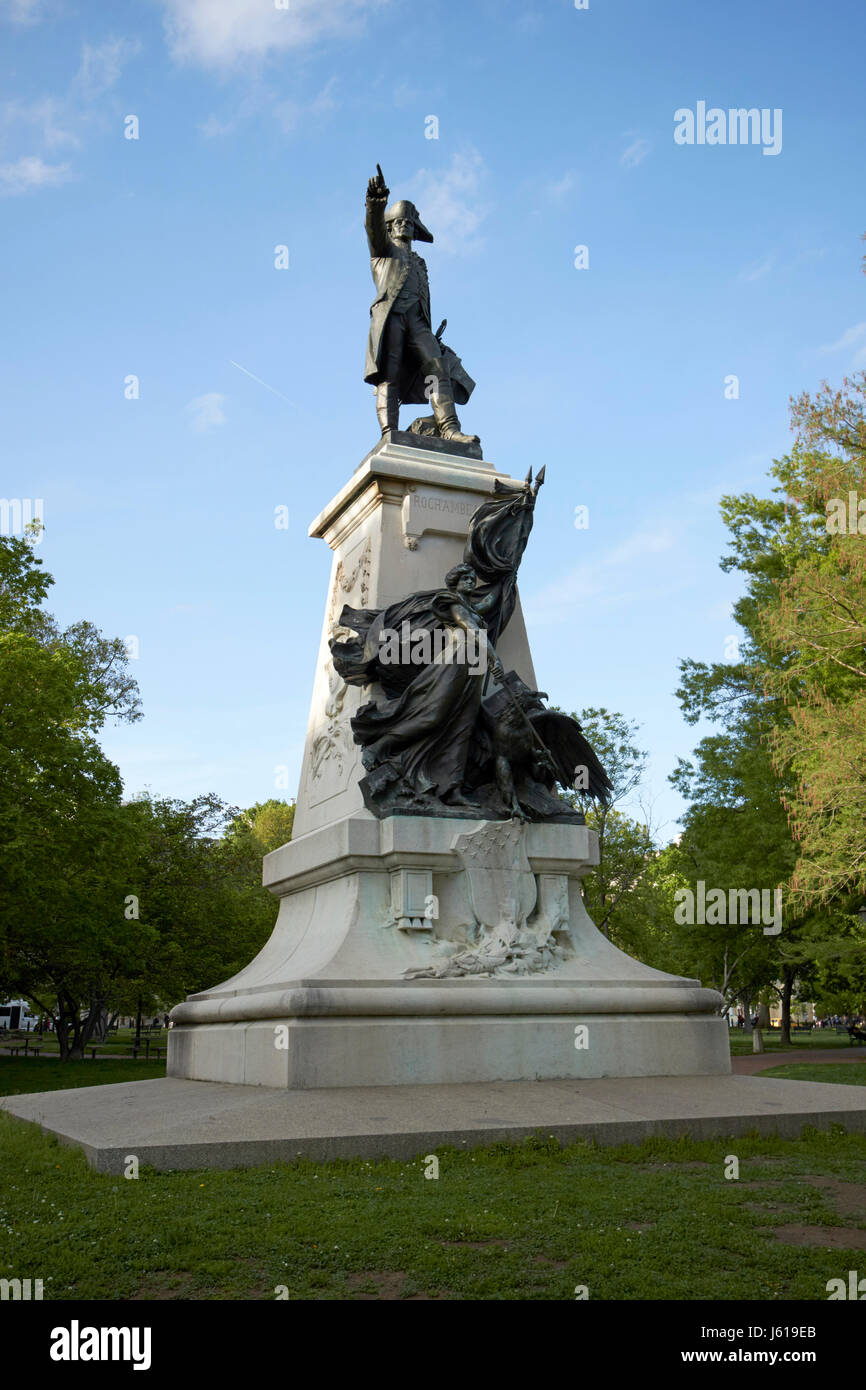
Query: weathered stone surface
[
  {"x": 433, "y": 443},
  {"x": 187, "y": 1124},
  {"x": 364, "y": 1002}
]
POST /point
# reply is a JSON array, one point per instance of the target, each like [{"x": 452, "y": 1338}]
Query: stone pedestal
[
  {"x": 354, "y": 989},
  {"x": 428, "y": 949},
  {"x": 398, "y": 525}
]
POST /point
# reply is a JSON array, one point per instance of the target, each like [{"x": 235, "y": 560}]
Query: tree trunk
[
  {"x": 69, "y": 1037},
  {"x": 788, "y": 977},
  {"x": 73, "y": 1031},
  {"x": 68, "y": 1028}
]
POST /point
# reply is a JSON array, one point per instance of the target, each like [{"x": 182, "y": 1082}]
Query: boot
[
  {"x": 444, "y": 410},
  {"x": 387, "y": 407}
]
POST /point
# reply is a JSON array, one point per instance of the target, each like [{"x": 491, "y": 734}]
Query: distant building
[{"x": 802, "y": 1012}]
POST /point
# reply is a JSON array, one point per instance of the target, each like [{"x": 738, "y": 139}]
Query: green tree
[
  {"x": 736, "y": 831},
  {"x": 618, "y": 894},
  {"x": 106, "y": 905},
  {"x": 197, "y": 883},
  {"x": 818, "y": 622},
  {"x": 64, "y": 839}
]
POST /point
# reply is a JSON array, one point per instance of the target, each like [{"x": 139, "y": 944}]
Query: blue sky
[{"x": 259, "y": 127}]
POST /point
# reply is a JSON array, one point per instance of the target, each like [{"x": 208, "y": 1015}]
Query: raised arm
[
  {"x": 462, "y": 619},
  {"x": 488, "y": 602},
  {"x": 377, "y": 197}
]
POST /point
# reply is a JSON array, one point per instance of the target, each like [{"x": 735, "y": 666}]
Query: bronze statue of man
[{"x": 405, "y": 359}]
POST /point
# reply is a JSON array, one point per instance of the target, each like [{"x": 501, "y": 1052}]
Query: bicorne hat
[{"x": 410, "y": 212}]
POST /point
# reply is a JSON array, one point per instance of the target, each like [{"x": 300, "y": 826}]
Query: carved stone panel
[
  {"x": 412, "y": 901},
  {"x": 333, "y": 753},
  {"x": 507, "y": 938},
  {"x": 431, "y": 510},
  {"x": 351, "y": 584}
]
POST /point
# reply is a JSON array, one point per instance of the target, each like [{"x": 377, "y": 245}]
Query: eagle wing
[{"x": 571, "y": 752}]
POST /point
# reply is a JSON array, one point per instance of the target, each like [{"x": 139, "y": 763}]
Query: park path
[{"x": 760, "y": 1061}]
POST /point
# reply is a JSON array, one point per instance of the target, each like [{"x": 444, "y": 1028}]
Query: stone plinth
[
  {"x": 353, "y": 987},
  {"x": 178, "y": 1124}
]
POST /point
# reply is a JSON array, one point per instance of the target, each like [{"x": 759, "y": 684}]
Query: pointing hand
[{"x": 377, "y": 187}]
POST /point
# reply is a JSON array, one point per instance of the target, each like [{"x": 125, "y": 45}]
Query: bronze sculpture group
[
  {"x": 445, "y": 733},
  {"x": 434, "y": 741}
]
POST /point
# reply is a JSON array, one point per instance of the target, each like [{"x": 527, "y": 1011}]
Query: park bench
[
  {"x": 149, "y": 1050},
  {"x": 25, "y": 1048},
  {"x": 857, "y": 1035}
]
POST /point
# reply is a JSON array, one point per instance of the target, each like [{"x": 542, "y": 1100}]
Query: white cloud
[
  {"x": 405, "y": 95},
  {"x": 30, "y": 172},
  {"x": 635, "y": 153},
  {"x": 559, "y": 188},
  {"x": 213, "y": 127},
  {"x": 289, "y": 113},
  {"x": 221, "y": 33},
  {"x": 451, "y": 204},
  {"x": 639, "y": 544},
  {"x": 579, "y": 585},
  {"x": 45, "y": 122},
  {"x": 36, "y": 129},
  {"x": 528, "y": 22},
  {"x": 249, "y": 106},
  {"x": 21, "y": 11},
  {"x": 757, "y": 272},
  {"x": 206, "y": 412},
  {"x": 816, "y": 253},
  {"x": 262, "y": 101},
  {"x": 102, "y": 64},
  {"x": 720, "y": 612},
  {"x": 850, "y": 338},
  {"x": 596, "y": 581}
]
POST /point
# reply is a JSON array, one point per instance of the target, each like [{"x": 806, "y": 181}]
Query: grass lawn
[
  {"x": 841, "y": 1073},
  {"x": 21, "y": 1075},
  {"x": 119, "y": 1042},
  {"x": 528, "y": 1221},
  {"x": 741, "y": 1041}
]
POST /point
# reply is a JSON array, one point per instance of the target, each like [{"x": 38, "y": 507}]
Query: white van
[{"x": 16, "y": 1014}]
